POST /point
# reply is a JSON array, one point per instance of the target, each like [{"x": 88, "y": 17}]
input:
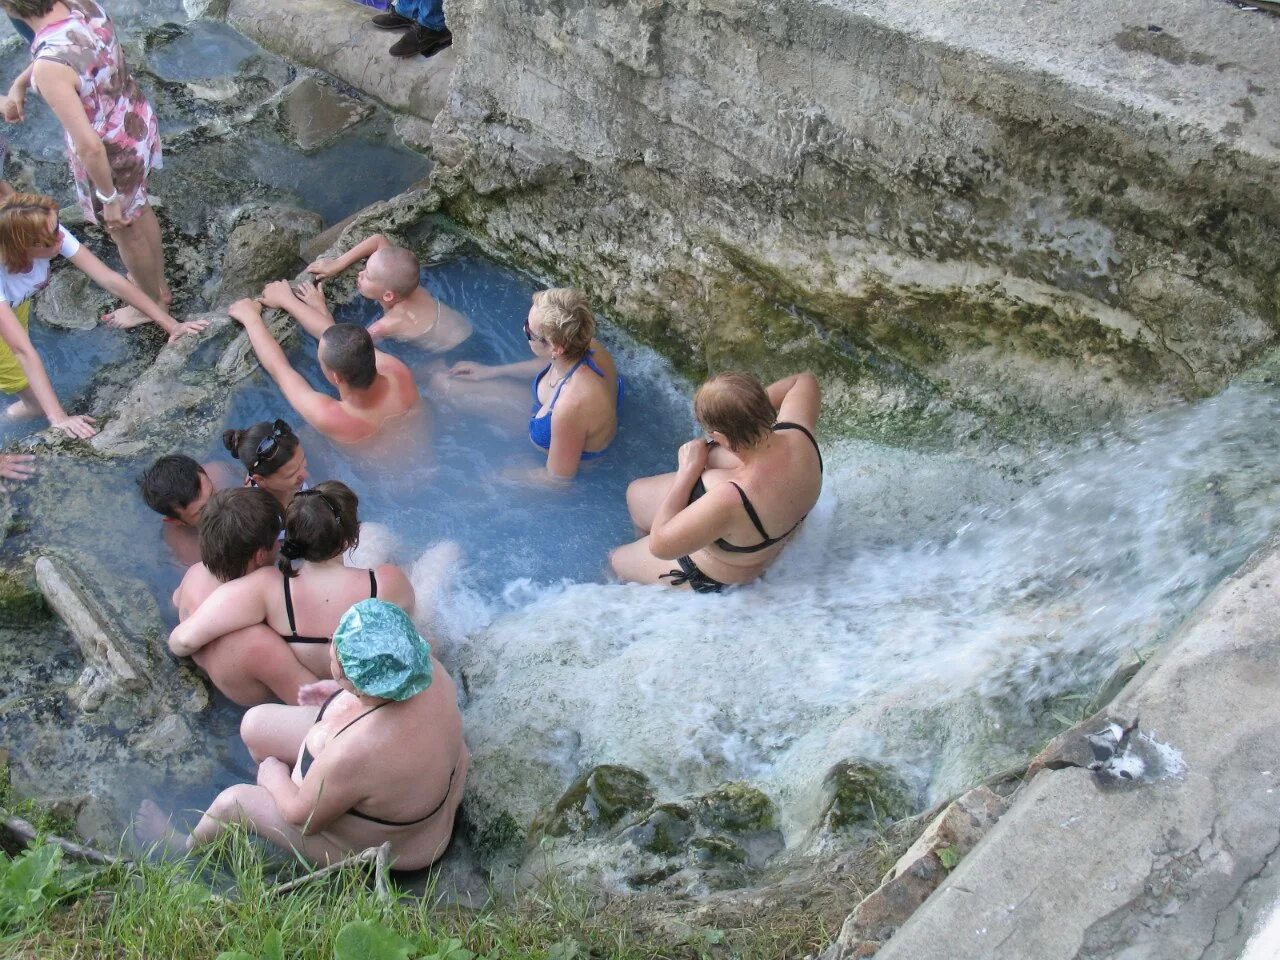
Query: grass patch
[{"x": 222, "y": 905}]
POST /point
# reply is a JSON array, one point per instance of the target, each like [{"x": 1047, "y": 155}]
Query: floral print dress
[{"x": 116, "y": 107}]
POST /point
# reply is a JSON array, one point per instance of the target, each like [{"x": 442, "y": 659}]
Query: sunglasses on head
[
  {"x": 269, "y": 445},
  {"x": 528, "y": 334}
]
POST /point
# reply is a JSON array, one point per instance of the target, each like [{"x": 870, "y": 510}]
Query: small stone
[
  {"x": 736, "y": 807},
  {"x": 664, "y": 831},
  {"x": 715, "y": 851},
  {"x": 955, "y": 831},
  {"x": 864, "y": 796},
  {"x": 598, "y": 801},
  {"x": 72, "y": 301},
  {"x": 263, "y": 246},
  {"x": 315, "y": 112}
]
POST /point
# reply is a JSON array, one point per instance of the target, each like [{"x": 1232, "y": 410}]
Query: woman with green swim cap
[{"x": 382, "y": 760}]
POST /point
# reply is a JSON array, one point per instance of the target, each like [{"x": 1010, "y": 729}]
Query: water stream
[{"x": 935, "y": 611}]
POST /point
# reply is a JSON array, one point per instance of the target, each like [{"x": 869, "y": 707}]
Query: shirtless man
[
  {"x": 177, "y": 488},
  {"x": 373, "y": 388},
  {"x": 409, "y": 311},
  {"x": 238, "y": 531}
]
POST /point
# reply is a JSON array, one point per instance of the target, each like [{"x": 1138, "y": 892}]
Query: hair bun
[
  {"x": 292, "y": 549},
  {"x": 231, "y": 440}
]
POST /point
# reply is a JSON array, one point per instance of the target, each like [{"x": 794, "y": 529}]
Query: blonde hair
[
  {"x": 737, "y": 405},
  {"x": 566, "y": 320},
  {"x": 24, "y": 225}
]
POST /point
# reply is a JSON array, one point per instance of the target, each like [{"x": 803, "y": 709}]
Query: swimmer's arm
[
  {"x": 233, "y": 605},
  {"x": 522, "y": 370},
  {"x": 568, "y": 440},
  {"x": 321, "y": 798},
  {"x": 680, "y": 527},
  {"x": 365, "y": 248},
  {"x": 797, "y": 398},
  {"x": 17, "y": 340},
  {"x": 280, "y": 295},
  {"x": 395, "y": 587},
  {"x": 123, "y": 288}
]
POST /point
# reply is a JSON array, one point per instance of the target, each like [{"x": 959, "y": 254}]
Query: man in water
[
  {"x": 390, "y": 278},
  {"x": 238, "y": 532},
  {"x": 178, "y": 488},
  {"x": 374, "y": 389}
]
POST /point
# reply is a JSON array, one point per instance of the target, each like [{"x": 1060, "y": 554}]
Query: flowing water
[{"x": 935, "y": 612}]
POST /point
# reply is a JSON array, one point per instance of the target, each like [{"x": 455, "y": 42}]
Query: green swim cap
[{"x": 381, "y": 651}]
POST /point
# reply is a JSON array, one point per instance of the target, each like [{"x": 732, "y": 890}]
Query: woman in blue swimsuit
[
  {"x": 727, "y": 513},
  {"x": 575, "y": 391}
]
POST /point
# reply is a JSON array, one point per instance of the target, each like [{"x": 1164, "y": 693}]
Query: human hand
[
  {"x": 79, "y": 426},
  {"x": 323, "y": 269},
  {"x": 270, "y": 768},
  {"x": 466, "y": 370},
  {"x": 16, "y": 466},
  {"x": 112, "y": 217},
  {"x": 15, "y": 105},
  {"x": 245, "y": 311},
  {"x": 276, "y": 294},
  {"x": 312, "y": 294},
  {"x": 188, "y": 329},
  {"x": 315, "y": 694},
  {"x": 693, "y": 456}
]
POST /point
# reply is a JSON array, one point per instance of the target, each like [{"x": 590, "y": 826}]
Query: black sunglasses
[
  {"x": 528, "y": 334},
  {"x": 269, "y": 445}
]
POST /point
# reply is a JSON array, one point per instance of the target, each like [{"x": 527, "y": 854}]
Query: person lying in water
[
  {"x": 238, "y": 535},
  {"x": 383, "y": 760},
  {"x": 390, "y": 279},
  {"x": 30, "y": 237},
  {"x": 374, "y": 388},
  {"x": 758, "y": 472},
  {"x": 272, "y": 456},
  {"x": 178, "y": 488},
  {"x": 575, "y": 388},
  {"x": 303, "y": 604}
]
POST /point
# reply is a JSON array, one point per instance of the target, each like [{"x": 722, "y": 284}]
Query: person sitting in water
[
  {"x": 30, "y": 237},
  {"x": 272, "y": 457},
  {"x": 390, "y": 278},
  {"x": 301, "y": 605},
  {"x": 759, "y": 472},
  {"x": 238, "y": 534},
  {"x": 575, "y": 392},
  {"x": 383, "y": 760},
  {"x": 178, "y": 488},
  {"x": 374, "y": 388}
]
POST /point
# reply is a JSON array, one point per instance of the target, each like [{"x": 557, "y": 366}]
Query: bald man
[{"x": 390, "y": 278}]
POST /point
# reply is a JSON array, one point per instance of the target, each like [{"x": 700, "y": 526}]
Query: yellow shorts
[{"x": 12, "y": 379}]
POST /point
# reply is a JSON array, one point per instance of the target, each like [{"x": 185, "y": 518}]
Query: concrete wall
[{"x": 1025, "y": 214}]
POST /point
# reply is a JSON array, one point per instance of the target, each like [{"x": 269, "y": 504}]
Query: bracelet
[{"x": 115, "y": 195}]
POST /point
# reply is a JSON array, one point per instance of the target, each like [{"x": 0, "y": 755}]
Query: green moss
[
  {"x": 597, "y": 802},
  {"x": 664, "y": 831},
  {"x": 864, "y": 796},
  {"x": 736, "y": 807},
  {"x": 20, "y": 602},
  {"x": 495, "y": 837}
]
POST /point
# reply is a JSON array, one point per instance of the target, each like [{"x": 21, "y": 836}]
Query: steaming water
[{"x": 932, "y": 612}]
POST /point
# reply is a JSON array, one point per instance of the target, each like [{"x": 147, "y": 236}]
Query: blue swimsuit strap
[{"x": 586, "y": 358}]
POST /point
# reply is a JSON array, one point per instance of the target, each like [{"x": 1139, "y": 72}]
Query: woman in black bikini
[
  {"x": 304, "y": 596},
  {"x": 727, "y": 513},
  {"x": 382, "y": 761}
]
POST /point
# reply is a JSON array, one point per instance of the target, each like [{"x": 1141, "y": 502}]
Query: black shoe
[
  {"x": 420, "y": 39},
  {"x": 446, "y": 40},
  {"x": 392, "y": 21}
]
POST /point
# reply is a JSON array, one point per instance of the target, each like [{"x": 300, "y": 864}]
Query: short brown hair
[
  {"x": 736, "y": 405},
  {"x": 24, "y": 224},
  {"x": 27, "y": 9},
  {"x": 566, "y": 320},
  {"x": 235, "y": 525},
  {"x": 347, "y": 350},
  {"x": 319, "y": 524}
]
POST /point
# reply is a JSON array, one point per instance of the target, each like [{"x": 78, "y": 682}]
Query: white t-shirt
[{"x": 17, "y": 287}]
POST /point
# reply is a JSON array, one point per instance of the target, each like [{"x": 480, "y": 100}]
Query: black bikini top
[
  {"x": 700, "y": 488},
  {"x": 293, "y": 626}
]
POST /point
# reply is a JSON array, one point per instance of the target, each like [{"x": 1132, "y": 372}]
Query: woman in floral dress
[{"x": 113, "y": 138}]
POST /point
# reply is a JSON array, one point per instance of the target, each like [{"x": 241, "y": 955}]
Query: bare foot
[
  {"x": 20, "y": 410},
  {"x": 153, "y": 827},
  {"x": 125, "y": 317}
]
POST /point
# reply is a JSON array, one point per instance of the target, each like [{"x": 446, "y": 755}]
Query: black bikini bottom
[{"x": 689, "y": 573}]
